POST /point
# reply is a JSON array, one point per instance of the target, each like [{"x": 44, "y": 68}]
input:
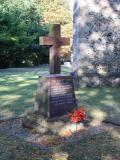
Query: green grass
[
  {"x": 17, "y": 93},
  {"x": 104, "y": 146},
  {"x": 18, "y": 87},
  {"x": 100, "y": 147},
  {"x": 102, "y": 103},
  {"x": 12, "y": 148},
  {"x": 17, "y": 90}
]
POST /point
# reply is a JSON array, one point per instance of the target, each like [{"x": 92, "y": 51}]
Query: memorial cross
[{"x": 55, "y": 41}]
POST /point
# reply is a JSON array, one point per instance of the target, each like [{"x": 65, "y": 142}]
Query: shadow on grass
[
  {"x": 17, "y": 96},
  {"x": 101, "y": 101},
  {"x": 100, "y": 147},
  {"x": 17, "y": 93},
  {"x": 18, "y": 88}
]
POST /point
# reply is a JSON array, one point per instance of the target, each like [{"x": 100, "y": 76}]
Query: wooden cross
[{"x": 55, "y": 41}]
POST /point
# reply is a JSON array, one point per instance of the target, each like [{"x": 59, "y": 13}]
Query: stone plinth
[
  {"x": 55, "y": 95},
  {"x": 61, "y": 126}
]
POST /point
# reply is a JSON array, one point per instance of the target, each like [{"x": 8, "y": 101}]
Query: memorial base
[
  {"x": 55, "y": 95},
  {"x": 55, "y": 98},
  {"x": 61, "y": 126}
]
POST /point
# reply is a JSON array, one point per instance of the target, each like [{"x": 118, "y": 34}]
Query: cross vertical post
[
  {"x": 55, "y": 41},
  {"x": 54, "y": 57}
]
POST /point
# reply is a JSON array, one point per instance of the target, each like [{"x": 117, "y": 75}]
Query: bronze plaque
[{"x": 61, "y": 96}]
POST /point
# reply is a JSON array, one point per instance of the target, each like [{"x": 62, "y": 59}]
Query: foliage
[
  {"x": 19, "y": 33},
  {"x": 21, "y": 24},
  {"x": 57, "y": 11}
]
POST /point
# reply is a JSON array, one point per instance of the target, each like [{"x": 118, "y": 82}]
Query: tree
[
  {"x": 19, "y": 32},
  {"x": 22, "y": 22},
  {"x": 57, "y": 11}
]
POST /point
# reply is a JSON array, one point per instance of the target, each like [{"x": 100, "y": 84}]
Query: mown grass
[
  {"x": 103, "y": 146},
  {"x": 101, "y": 103},
  {"x": 17, "y": 92},
  {"x": 12, "y": 148},
  {"x": 18, "y": 87}
]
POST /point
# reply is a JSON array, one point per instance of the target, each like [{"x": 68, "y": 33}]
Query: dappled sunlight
[
  {"x": 60, "y": 156},
  {"x": 6, "y": 114},
  {"x": 18, "y": 78},
  {"x": 97, "y": 39},
  {"x": 107, "y": 99},
  {"x": 107, "y": 157},
  {"x": 98, "y": 117},
  {"x": 6, "y": 88},
  {"x": 24, "y": 85},
  {"x": 93, "y": 93},
  {"x": 14, "y": 111},
  {"x": 86, "y": 92},
  {"x": 114, "y": 132},
  {"x": 108, "y": 102},
  {"x": 111, "y": 103},
  {"x": 95, "y": 36},
  {"x": 27, "y": 81},
  {"x": 17, "y": 91},
  {"x": 80, "y": 92},
  {"x": 96, "y": 42},
  {"x": 9, "y": 98},
  {"x": 90, "y": 53},
  {"x": 31, "y": 100},
  {"x": 101, "y": 70}
]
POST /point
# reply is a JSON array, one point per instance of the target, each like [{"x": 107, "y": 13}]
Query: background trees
[{"x": 21, "y": 24}]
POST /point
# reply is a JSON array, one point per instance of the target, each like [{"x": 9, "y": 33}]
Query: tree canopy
[{"x": 21, "y": 24}]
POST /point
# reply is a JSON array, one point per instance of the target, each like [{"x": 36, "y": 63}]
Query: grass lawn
[
  {"x": 17, "y": 93},
  {"x": 103, "y": 146},
  {"x": 101, "y": 103},
  {"x": 17, "y": 90},
  {"x": 18, "y": 87}
]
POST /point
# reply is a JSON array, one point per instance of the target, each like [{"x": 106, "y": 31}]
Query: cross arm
[{"x": 46, "y": 41}]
